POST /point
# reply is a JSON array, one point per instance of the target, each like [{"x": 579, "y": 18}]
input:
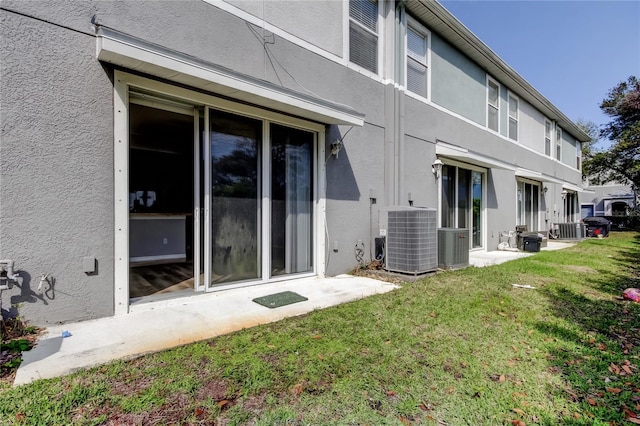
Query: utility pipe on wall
[{"x": 7, "y": 266}]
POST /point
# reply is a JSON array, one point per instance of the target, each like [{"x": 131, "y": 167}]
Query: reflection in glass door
[
  {"x": 291, "y": 200},
  {"x": 235, "y": 197},
  {"x": 476, "y": 178}
]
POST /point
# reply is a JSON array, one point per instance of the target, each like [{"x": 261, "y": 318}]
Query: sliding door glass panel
[
  {"x": 476, "y": 178},
  {"x": 520, "y": 202},
  {"x": 535, "y": 200},
  {"x": 161, "y": 201},
  {"x": 464, "y": 192},
  {"x": 235, "y": 197},
  {"x": 291, "y": 200},
  {"x": 199, "y": 178},
  {"x": 528, "y": 206},
  {"x": 448, "y": 196}
]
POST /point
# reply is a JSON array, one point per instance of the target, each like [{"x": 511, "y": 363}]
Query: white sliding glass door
[{"x": 462, "y": 204}]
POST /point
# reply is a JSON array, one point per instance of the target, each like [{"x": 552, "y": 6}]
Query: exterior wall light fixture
[{"x": 436, "y": 167}]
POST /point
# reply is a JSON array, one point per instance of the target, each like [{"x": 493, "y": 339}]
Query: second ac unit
[{"x": 453, "y": 248}]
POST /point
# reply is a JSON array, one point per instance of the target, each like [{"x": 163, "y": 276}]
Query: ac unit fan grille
[{"x": 411, "y": 245}]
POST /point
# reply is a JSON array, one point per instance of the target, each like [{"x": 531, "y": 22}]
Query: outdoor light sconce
[
  {"x": 545, "y": 189},
  {"x": 436, "y": 167}
]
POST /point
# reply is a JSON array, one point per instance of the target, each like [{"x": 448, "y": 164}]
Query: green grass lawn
[{"x": 457, "y": 348}]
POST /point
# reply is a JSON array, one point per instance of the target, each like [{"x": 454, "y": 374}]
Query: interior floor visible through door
[{"x": 160, "y": 279}]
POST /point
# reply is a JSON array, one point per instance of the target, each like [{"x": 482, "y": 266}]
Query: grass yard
[{"x": 458, "y": 348}]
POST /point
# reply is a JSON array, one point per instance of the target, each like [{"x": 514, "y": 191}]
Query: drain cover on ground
[{"x": 279, "y": 299}]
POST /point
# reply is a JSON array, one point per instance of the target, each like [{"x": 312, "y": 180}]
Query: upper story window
[
  {"x": 363, "y": 34},
  {"x": 493, "y": 105},
  {"x": 513, "y": 117},
  {"x": 558, "y": 143},
  {"x": 417, "y": 61},
  {"x": 547, "y": 138},
  {"x": 578, "y": 155}
]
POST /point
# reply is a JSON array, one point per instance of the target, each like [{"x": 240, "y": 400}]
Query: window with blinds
[
  {"x": 493, "y": 105},
  {"x": 547, "y": 138},
  {"x": 513, "y": 117},
  {"x": 558, "y": 143},
  {"x": 417, "y": 66},
  {"x": 363, "y": 33}
]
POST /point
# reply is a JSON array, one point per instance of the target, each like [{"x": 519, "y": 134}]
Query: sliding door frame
[{"x": 123, "y": 81}]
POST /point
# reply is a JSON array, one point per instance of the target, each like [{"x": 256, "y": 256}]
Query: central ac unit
[{"x": 411, "y": 245}]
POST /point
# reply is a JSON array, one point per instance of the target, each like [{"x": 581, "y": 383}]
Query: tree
[
  {"x": 591, "y": 129},
  {"x": 621, "y": 161}
]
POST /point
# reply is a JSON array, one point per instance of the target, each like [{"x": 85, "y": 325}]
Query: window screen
[{"x": 493, "y": 109}]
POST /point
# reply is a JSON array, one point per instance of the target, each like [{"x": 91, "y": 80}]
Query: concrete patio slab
[
  {"x": 161, "y": 325},
  {"x": 488, "y": 258}
]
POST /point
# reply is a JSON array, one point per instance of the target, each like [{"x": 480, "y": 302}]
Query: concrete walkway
[{"x": 155, "y": 326}]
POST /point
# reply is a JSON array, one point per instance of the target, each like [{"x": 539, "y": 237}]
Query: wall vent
[
  {"x": 412, "y": 246},
  {"x": 453, "y": 248}
]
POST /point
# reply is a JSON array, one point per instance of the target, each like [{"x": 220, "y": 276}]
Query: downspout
[{"x": 399, "y": 97}]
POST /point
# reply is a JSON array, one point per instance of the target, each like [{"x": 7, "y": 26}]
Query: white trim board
[{"x": 462, "y": 154}]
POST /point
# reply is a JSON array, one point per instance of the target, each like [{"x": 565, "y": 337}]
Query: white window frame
[
  {"x": 558, "y": 150},
  {"x": 520, "y": 180},
  {"x": 415, "y": 26},
  {"x": 578, "y": 155},
  {"x": 472, "y": 167},
  {"x": 548, "y": 137},
  {"x": 122, "y": 82},
  {"x": 516, "y": 118},
  {"x": 379, "y": 35},
  {"x": 489, "y": 105}
]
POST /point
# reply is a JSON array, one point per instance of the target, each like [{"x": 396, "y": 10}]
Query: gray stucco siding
[
  {"x": 350, "y": 177},
  {"x": 531, "y": 127},
  {"x": 568, "y": 149},
  {"x": 457, "y": 83},
  {"x": 56, "y": 192},
  {"x": 319, "y": 22},
  {"x": 419, "y": 180}
]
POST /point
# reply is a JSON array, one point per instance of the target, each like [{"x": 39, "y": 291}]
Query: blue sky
[{"x": 573, "y": 52}]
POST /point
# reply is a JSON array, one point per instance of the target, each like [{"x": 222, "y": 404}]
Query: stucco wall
[
  {"x": 56, "y": 171},
  {"x": 319, "y": 22},
  {"x": 531, "y": 125},
  {"x": 457, "y": 83},
  {"x": 568, "y": 149},
  {"x": 358, "y": 169}
]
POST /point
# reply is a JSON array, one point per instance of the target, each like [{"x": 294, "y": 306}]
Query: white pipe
[{"x": 7, "y": 265}]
